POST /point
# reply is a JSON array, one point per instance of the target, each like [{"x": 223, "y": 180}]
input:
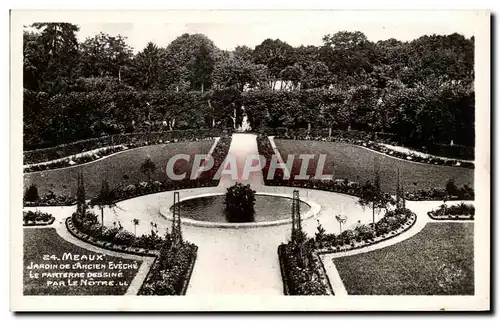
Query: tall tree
[
  {"x": 105, "y": 55},
  {"x": 51, "y": 55},
  {"x": 105, "y": 198},
  {"x": 239, "y": 73},
  {"x": 189, "y": 62},
  {"x": 81, "y": 202},
  {"x": 147, "y": 67},
  {"x": 276, "y": 55}
]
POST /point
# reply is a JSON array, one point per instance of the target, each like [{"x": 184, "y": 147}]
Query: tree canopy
[{"x": 422, "y": 90}]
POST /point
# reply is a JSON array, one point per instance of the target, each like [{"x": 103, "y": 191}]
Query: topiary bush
[{"x": 240, "y": 201}]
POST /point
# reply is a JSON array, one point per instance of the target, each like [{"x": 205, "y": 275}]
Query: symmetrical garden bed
[
  {"x": 37, "y": 218},
  {"x": 302, "y": 279},
  {"x": 131, "y": 139},
  {"x": 461, "y": 212},
  {"x": 127, "y": 172},
  {"x": 381, "y": 148},
  {"x": 439, "y": 260},
  {"x": 310, "y": 278},
  {"x": 391, "y": 225},
  {"x": 419, "y": 182},
  {"x": 173, "y": 263}
]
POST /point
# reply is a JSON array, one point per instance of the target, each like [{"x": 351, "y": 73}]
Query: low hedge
[
  {"x": 37, "y": 218},
  {"x": 461, "y": 212},
  {"x": 139, "y": 139}
]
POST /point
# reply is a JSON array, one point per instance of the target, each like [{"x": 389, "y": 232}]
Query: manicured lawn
[
  {"x": 45, "y": 241},
  {"x": 63, "y": 181},
  {"x": 352, "y": 162},
  {"x": 437, "y": 261}
]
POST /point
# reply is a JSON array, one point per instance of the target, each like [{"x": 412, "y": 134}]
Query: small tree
[
  {"x": 320, "y": 234},
  {"x": 372, "y": 196},
  {"x": 81, "y": 204},
  {"x": 148, "y": 167},
  {"x": 31, "y": 193},
  {"x": 136, "y": 223},
  {"x": 105, "y": 198}
]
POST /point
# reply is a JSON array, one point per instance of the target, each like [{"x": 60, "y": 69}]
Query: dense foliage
[
  {"x": 171, "y": 270},
  {"x": 364, "y": 233},
  {"x": 36, "y": 217},
  {"x": 240, "y": 201},
  {"x": 421, "y": 90},
  {"x": 455, "y": 212},
  {"x": 173, "y": 263}
]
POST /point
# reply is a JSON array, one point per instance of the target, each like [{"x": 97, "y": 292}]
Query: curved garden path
[{"x": 245, "y": 260}]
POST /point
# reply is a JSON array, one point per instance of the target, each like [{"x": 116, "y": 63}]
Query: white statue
[{"x": 245, "y": 125}]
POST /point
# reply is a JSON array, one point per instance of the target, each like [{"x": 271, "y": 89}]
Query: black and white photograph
[{"x": 314, "y": 160}]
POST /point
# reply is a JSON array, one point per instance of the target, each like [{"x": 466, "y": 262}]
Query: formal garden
[{"x": 395, "y": 132}]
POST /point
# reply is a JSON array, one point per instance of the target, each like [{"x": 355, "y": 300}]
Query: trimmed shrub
[{"x": 124, "y": 238}]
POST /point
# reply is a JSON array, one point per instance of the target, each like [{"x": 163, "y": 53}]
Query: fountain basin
[{"x": 207, "y": 210}]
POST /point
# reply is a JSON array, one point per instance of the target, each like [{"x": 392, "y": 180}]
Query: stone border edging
[
  {"x": 185, "y": 283},
  {"x": 450, "y": 218},
  {"x": 313, "y": 212},
  {"x": 323, "y": 272},
  {"x": 284, "y": 276},
  {"x": 41, "y": 223},
  {"x": 360, "y": 245}
]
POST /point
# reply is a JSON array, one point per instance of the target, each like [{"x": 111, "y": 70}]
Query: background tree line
[{"x": 422, "y": 91}]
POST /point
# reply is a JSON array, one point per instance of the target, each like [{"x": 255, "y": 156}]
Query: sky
[{"x": 229, "y": 29}]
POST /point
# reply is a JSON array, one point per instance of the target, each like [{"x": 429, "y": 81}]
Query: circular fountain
[{"x": 208, "y": 210}]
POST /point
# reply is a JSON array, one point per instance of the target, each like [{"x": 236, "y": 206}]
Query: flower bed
[
  {"x": 310, "y": 279},
  {"x": 78, "y": 159},
  {"x": 173, "y": 265},
  {"x": 345, "y": 186},
  {"x": 50, "y": 199},
  {"x": 379, "y": 147},
  {"x": 461, "y": 212},
  {"x": 171, "y": 271},
  {"x": 136, "y": 139},
  {"x": 391, "y": 225},
  {"x": 37, "y": 218}
]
